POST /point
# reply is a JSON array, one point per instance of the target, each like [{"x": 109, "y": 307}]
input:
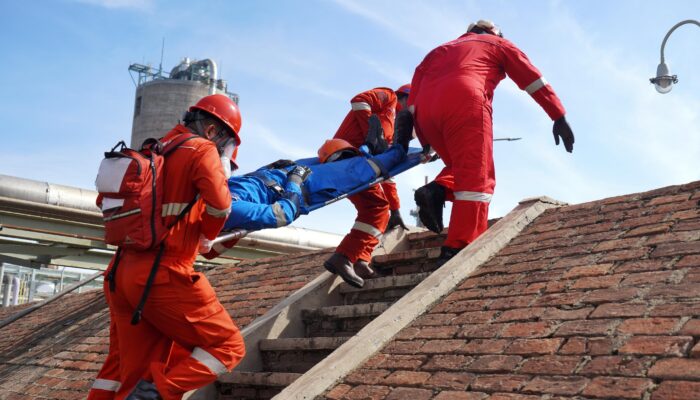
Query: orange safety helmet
[
  {"x": 223, "y": 108},
  {"x": 334, "y": 146},
  {"x": 404, "y": 89}
]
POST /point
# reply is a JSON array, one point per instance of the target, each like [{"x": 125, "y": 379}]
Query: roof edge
[{"x": 374, "y": 336}]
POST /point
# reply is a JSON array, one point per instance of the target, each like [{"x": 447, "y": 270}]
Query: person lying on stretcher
[{"x": 276, "y": 194}]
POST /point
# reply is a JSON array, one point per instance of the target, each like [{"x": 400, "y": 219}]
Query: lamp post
[{"x": 663, "y": 82}]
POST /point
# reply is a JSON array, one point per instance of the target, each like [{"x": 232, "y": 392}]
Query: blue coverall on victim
[{"x": 256, "y": 206}]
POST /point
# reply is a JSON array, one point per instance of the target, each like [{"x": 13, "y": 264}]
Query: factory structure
[
  {"x": 51, "y": 236},
  {"x": 160, "y": 100}
]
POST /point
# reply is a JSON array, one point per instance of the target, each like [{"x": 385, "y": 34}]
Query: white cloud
[{"x": 417, "y": 23}]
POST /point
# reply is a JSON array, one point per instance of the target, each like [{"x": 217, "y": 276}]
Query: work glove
[
  {"x": 395, "y": 220},
  {"x": 562, "y": 129},
  {"x": 375, "y": 140},
  {"x": 298, "y": 174},
  {"x": 205, "y": 244},
  {"x": 279, "y": 164}
]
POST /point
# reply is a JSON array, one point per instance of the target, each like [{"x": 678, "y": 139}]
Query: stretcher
[{"x": 415, "y": 156}]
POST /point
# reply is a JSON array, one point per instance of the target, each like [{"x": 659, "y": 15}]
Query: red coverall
[
  {"x": 451, "y": 91},
  {"x": 182, "y": 307},
  {"x": 373, "y": 204}
]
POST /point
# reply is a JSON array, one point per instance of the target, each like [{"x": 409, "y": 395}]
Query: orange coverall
[
  {"x": 373, "y": 204},
  {"x": 452, "y": 90},
  {"x": 182, "y": 307}
]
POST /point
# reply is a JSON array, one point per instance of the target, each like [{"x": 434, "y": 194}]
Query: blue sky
[{"x": 67, "y": 96}]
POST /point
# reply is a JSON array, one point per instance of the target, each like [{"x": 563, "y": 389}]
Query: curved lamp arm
[
  {"x": 664, "y": 80},
  {"x": 676, "y": 26}
]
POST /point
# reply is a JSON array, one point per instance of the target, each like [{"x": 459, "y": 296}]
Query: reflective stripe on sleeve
[
  {"x": 375, "y": 167},
  {"x": 209, "y": 361},
  {"x": 219, "y": 248},
  {"x": 279, "y": 215},
  {"x": 367, "y": 228},
  {"x": 218, "y": 212},
  {"x": 106, "y": 384},
  {"x": 360, "y": 105},
  {"x": 536, "y": 85},
  {"x": 473, "y": 196},
  {"x": 173, "y": 208}
]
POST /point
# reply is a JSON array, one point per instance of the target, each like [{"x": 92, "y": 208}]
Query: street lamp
[{"x": 663, "y": 82}]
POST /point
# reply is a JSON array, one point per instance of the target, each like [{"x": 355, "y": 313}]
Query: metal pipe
[
  {"x": 47, "y": 193},
  {"x": 6, "y": 290},
  {"x": 213, "y": 74},
  {"x": 73, "y": 204}
]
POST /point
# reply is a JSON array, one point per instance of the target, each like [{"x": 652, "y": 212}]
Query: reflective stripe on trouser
[
  {"x": 108, "y": 380},
  {"x": 372, "y": 217},
  {"x": 182, "y": 308}
]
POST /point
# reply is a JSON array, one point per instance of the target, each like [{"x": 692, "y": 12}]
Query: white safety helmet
[{"x": 486, "y": 25}]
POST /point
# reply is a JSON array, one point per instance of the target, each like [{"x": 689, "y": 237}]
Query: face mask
[{"x": 225, "y": 155}]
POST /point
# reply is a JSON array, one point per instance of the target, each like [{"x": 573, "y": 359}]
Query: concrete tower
[{"x": 161, "y": 100}]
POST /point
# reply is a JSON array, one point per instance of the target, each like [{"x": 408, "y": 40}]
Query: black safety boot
[
  {"x": 375, "y": 140},
  {"x": 144, "y": 390},
  {"x": 403, "y": 133},
  {"x": 446, "y": 254},
  {"x": 339, "y": 264},
  {"x": 364, "y": 271},
  {"x": 430, "y": 200}
]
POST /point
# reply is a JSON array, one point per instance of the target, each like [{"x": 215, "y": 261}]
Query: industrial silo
[{"x": 162, "y": 99}]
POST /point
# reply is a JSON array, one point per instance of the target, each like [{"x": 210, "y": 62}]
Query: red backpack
[{"x": 130, "y": 186}]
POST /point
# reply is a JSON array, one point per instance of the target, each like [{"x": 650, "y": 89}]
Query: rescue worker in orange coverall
[
  {"x": 378, "y": 206},
  {"x": 451, "y": 96},
  {"x": 182, "y": 310}
]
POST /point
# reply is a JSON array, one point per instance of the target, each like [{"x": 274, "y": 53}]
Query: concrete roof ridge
[{"x": 374, "y": 336}]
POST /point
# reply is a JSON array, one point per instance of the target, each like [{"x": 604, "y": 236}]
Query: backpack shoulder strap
[{"x": 177, "y": 142}]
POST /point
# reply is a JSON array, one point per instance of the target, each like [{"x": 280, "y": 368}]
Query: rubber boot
[
  {"x": 430, "y": 200},
  {"x": 446, "y": 254},
  {"x": 144, "y": 390},
  {"x": 404, "y": 129},
  {"x": 364, "y": 271},
  {"x": 340, "y": 265}
]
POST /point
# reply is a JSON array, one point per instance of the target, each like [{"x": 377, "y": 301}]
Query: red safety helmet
[
  {"x": 404, "y": 89},
  {"x": 335, "y": 146},
  {"x": 223, "y": 108}
]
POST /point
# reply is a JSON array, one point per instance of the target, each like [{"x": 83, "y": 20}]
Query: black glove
[
  {"x": 562, "y": 129},
  {"x": 279, "y": 164},
  {"x": 298, "y": 174},
  {"x": 375, "y": 136},
  {"x": 395, "y": 220}
]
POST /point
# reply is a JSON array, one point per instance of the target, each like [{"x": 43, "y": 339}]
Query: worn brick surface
[
  {"x": 617, "y": 388},
  {"x": 591, "y": 301},
  {"x": 66, "y": 342},
  {"x": 676, "y": 390}
]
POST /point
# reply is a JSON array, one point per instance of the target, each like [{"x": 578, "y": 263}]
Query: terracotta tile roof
[
  {"x": 55, "y": 352},
  {"x": 596, "y": 300}
]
